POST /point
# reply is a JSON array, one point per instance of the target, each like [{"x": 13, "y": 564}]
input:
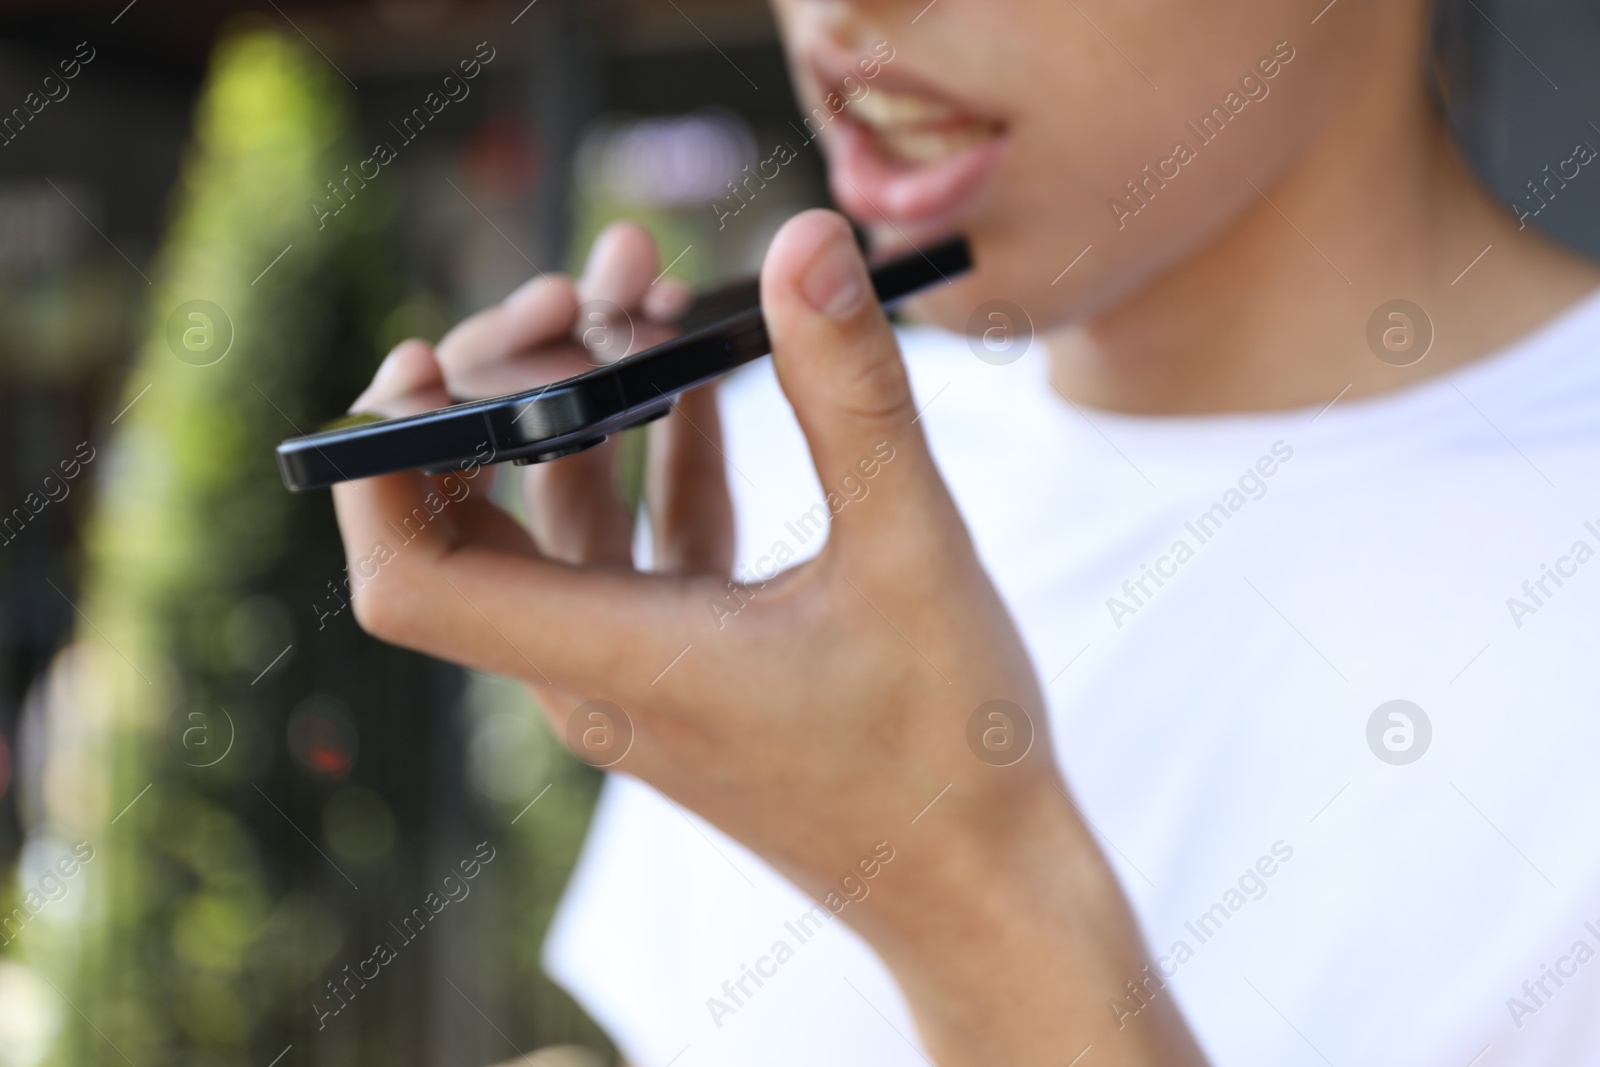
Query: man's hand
[{"x": 813, "y": 714}]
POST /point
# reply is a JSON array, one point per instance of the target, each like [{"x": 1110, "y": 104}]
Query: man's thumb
[{"x": 837, "y": 358}]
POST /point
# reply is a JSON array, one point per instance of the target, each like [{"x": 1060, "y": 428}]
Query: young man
[{"x": 1212, "y": 682}]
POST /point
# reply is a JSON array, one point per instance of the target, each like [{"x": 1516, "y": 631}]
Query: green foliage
[
  {"x": 270, "y": 132},
  {"x": 222, "y": 901},
  {"x": 199, "y": 562}
]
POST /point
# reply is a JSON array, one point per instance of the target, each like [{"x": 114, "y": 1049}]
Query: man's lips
[
  {"x": 902, "y": 151},
  {"x": 874, "y": 182}
]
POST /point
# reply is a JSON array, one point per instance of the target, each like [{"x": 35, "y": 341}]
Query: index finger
[
  {"x": 538, "y": 313},
  {"x": 466, "y": 592}
]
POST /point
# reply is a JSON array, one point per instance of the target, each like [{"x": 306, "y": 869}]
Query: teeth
[
  {"x": 930, "y": 146},
  {"x": 883, "y": 108},
  {"x": 918, "y": 129}
]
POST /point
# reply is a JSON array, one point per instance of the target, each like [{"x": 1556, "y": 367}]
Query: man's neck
[{"x": 1275, "y": 312}]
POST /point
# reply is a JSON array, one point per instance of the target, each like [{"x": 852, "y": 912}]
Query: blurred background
[{"x": 217, "y": 797}]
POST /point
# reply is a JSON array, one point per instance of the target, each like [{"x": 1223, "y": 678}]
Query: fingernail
[{"x": 834, "y": 282}]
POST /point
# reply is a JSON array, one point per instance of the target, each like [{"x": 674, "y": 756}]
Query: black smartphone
[{"x": 723, "y": 329}]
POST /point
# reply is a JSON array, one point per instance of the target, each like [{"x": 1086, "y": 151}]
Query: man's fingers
[
  {"x": 408, "y": 381},
  {"x": 839, "y": 364},
  {"x": 475, "y": 352},
  {"x": 621, "y": 266},
  {"x": 594, "y": 632},
  {"x": 419, "y": 514},
  {"x": 686, "y": 478},
  {"x": 575, "y": 511},
  {"x": 686, "y": 488},
  {"x": 666, "y": 299}
]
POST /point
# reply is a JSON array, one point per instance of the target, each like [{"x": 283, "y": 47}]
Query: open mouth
[
  {"x": 903, "y": 153},
  {"x": 916, "y": 130}
]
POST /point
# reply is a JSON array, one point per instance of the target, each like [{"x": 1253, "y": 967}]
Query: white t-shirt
[{"x": 1313, "y": 902}]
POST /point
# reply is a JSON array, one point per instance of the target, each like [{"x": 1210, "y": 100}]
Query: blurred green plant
[{"x": 241, "y": 759}]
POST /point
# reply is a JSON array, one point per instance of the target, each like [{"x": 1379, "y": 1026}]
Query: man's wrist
[{"x": 1009, "y": 934}]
